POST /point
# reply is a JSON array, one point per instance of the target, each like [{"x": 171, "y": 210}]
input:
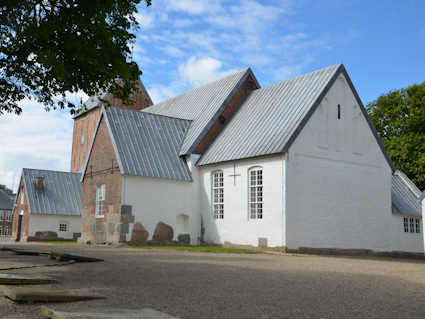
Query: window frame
[
  {"x": 8, "y": 216},
  {"x": 63, "y": 224},
  {"x": 1, "y": 230},
  {"x": 100, "y": 202},
  {"x": 7, "y": 231},
  {"x": 411, "y": 225},
  {"x": 217, "y": 188},
  {"x": 1, "y": 215},
  {"x": 255, "y": 193}
]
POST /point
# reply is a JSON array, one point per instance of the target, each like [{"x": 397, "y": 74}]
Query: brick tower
[{"x": 85, "y": 123}]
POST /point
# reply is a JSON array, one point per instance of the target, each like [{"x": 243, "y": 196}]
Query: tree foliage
[
  {"x": 399, "y": 118},
  {"x": 4, "y": 187},
  {"x": 50, "y": 47}
]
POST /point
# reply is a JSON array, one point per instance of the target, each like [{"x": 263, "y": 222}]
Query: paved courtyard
[{"x": 218, "y": 285}]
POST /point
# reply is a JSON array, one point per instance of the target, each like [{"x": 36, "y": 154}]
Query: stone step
[
  {"x": 25, "y": 279},
  {"x": 77, "y": 258},
  {"x": 47, "y": 294},
  {"x": 104, "y": 312}
]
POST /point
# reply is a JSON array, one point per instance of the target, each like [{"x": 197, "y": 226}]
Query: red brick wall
[
  {"x": 227, "y": 112},
  {"x": 99, "y": 172},
  {"x": 17, "y": 211},
  {"x": 86, "y": 124}
]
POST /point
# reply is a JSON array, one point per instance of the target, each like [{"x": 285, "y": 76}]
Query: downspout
[{"x": 283, "y": 250}]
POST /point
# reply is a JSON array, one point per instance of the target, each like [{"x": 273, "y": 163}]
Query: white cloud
[
  {"x": 36, "y": 139},
  {"x": 201, "y": 71},
  {"x": 146, "y": 20},
  {"x": 193, "y": 7}
]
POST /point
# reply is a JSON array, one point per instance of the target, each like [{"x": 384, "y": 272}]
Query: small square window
[
  {"x": 63, "y": 227},
  {"x": 248, "y": 86}
]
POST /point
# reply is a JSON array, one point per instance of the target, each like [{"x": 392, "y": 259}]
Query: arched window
[
  {"x": 218, "y": 194},
  {"x": 100, "y": 200},
  {"x": 256, "y": 193}
]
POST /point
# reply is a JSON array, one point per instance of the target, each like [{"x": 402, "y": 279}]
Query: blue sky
[{"x": 186, "y": 43}]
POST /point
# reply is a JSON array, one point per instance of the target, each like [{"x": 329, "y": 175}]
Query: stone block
[
  {"x": 95, "y": 227},
  {"x": 128, "y": 219},
  {"x": 247, "y": 247},
  {"x": 123, "y": 228},
  {"x": 126, "y": 209},
  {"x": 184, "y": 238},
  {"x": 262, "y": 242},
  {"x": 227, "y": 244},
  {"x": 237, "y": 246},
  {"x": 118, "y": 218},
  {"x": 111, "y": 227},
  {"x": 110, "y": 237},
  {"x": 154, "y": 243}
]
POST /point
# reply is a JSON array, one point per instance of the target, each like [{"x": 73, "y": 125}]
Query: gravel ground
[{"x": 219, "y": 285}]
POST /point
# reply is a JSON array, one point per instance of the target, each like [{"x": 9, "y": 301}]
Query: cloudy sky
[{"x": 182, "y": 44}]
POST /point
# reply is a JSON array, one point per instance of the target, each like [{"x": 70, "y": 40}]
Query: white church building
[{"x": 294, "y": 166}]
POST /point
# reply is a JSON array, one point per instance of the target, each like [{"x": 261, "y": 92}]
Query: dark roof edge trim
[
  {"x": 247, "y": 73},
  {"x": 369, "y": 121},
  {"x": 92, "y": 143},
  {"x": 312, "y": 109}
]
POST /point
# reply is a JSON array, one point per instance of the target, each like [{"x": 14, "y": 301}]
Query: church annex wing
[{"x": 270, "y": 118}]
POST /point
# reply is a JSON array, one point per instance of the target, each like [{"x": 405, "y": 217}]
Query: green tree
[
  {"x": 399, "y": 118},
  {"x": 4, "y": 187},
  {"x": 50, "y": 47}
]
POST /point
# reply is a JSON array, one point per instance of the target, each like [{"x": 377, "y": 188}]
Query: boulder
[
  {"x": 139, "y": 235},
  {"x": 163, "y": 233},
  {"x": 46, "y": 235}
]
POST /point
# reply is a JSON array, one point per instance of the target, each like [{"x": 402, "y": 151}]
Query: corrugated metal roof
[
  {"x": 148, "y": 144},
  {"x": 202, "y": 105},
  {"x": 404, "y": 195},
  {"x": 6, "y": 201},
  {"x": 94, "y": 101},
  {"x": 62, "y": 194},
  {"x": 269, "y": 118}
]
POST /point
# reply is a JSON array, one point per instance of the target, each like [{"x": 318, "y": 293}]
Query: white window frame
[
  {"x": 255, "y": 193},
  {"x": 8, "y": 216},
  {"x": 218, "y": 194},
  {"x": 7, "y": 231},
  {"x": 1, "y": 215},
  {"x": 100, "y": 200},
  {"x": 412, "y": 225},
  {"x": 63, "y": 227},
  {"x": 1, "y": 230},
  {"x": 22, "y": 197}
]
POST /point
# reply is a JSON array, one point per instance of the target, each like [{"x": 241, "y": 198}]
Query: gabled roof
[
  {"x": 404, "y": 195},
  {"x": 94, "y": 101},
  {"x": 62, "y": 193},
  {"x": 6, "y": 202},
  {"x": 202, "y": 105},
  {"x": 270, "y": 119},
  {"x": 147, "y": 144}
]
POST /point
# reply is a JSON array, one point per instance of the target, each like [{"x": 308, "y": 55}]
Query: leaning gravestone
[
  {"x": 139, "y": 235},
  {"x": 163, "y": 233}
]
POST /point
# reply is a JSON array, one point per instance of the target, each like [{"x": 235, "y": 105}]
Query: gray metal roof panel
[
  {"x": 148, "y": 144},
  {"x": 268, "y": 118},
  {"x": 405, "y": 195},
  {"x": 6, "y": 201},
  {"x": 62, "y": 193},
  {"x": 202, "y": 105}
]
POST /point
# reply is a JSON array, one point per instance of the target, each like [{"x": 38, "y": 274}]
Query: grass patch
[
  {"x": 59, "y": 242},
  {"x": 203, "y": 249}
]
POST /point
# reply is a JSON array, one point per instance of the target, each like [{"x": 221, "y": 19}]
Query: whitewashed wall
[
  {"x": 156, "y": 200},
  {"x": 236, "y": 227},
  {"x": 43, "y": 222},
  {"x": 338, "y": 180},
  {"x": 408, "y": 242}
]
